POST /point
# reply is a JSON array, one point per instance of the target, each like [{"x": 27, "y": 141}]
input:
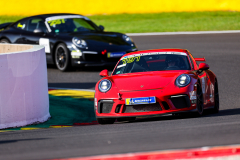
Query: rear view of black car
[{"x": 70, "y": 40}]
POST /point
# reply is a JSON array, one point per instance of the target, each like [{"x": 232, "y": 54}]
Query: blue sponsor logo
[
  {"x": 143, "y": 100},
  {"x": 115, "y": 54}
]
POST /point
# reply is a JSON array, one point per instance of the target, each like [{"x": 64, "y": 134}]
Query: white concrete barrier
[{"x": 23, "y": 85}]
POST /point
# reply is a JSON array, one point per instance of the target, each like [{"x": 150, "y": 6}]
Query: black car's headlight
[
  {"x": 126, "y": 38},
  {"x": 79, "y": 42},
  {"x": 183, "y": 80},
  {"x": 104, "y": 85}
]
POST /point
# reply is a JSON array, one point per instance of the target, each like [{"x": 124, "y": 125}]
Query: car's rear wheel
[
  {"x": 4, "y": 41},
  {"x": 216, "y": 98},
  {"x": 62, "y": 57},
  {"x": 106, "y": 120},
  {"x": 199, "y": 101}
]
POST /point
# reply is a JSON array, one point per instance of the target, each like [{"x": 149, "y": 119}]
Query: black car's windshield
[
  {"x": 156, "y": 61},
  {"x": 68, "y": 24}
]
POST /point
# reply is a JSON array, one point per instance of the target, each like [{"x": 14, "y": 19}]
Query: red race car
[{"x": 154, "y": 82}]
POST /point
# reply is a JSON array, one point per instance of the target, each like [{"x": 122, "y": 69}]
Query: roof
[
  {"x": 158, "y": 50},
  {"x": 52, "y": 14}
]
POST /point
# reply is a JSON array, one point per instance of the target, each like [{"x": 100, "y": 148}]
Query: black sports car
[{"x": 69, "y": 39}]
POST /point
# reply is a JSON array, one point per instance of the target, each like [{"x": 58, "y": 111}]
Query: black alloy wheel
[
  {"x": 106, "y": 120},
  {"x": 216, "y": 98},
  {"x": 62, "y": 57},
  {"x": 4, "y": 41},
  {"x": 199, "y": 101}
]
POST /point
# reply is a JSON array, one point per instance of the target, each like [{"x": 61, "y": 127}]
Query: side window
[
  {"x": 192, "y": 62},
  {"x": 21, "y": 24},
  {"x": 36, "y": 23}
]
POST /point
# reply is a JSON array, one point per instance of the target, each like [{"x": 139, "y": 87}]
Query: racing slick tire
[
  {"x": 106, "y": 120},
  {"x": 216, "y": 98},
  {"x": 62, "y": 57},
  {"x": 4, "y": 41},
  {"x": 199, "y": 101}
]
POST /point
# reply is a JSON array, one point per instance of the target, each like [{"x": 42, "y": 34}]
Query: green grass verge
[
  {"x": 66, "y": 111},
  {"x": 163, "y": 22}
]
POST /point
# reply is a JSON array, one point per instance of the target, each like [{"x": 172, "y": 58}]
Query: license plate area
[
  {"x": 115, "y": 54},
  {"x": 140, "y": 100}
]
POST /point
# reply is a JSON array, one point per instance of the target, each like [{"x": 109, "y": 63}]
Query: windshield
[
  {"x": 157, "y": 61},
  {"x": 71, "y": 24}
]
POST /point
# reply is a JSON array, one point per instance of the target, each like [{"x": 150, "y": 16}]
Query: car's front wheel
[
  {"x": 106, "y": 120},
  {"x": 62, "y": 57},
  {"x": 216, "y": 98},
  {"x": 200, "y": 104}
]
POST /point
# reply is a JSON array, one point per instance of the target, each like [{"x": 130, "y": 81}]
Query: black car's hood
[{"x": 101, "y": 38}]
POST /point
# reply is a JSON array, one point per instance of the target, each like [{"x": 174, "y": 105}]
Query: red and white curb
[{"x": 204, "y": 153}]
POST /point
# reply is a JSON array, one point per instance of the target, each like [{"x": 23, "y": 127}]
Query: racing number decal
[
  {"x": 45, "y": 42},
  {"x": 55, "y": 22},
  {"x": 131, "y": 59}
]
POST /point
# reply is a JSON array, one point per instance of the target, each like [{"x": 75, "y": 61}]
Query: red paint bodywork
[{"x": 160, "y": 84}]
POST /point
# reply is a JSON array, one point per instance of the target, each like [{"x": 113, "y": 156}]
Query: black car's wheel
[
  {"x": 106, "y": 120},
  {"x": 4, "y": 41},
  {"x": 199, "y": 101},
  {"x": 216, "y": 98},
  {"x": 62, "y": 57}
]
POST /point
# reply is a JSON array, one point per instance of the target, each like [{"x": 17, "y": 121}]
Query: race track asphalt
[{"x": 161, "y": 133}]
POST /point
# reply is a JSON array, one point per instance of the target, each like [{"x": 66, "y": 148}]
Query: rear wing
[
  {"x": 5, "y": 25},
  {"x": 200, "y": 59}
]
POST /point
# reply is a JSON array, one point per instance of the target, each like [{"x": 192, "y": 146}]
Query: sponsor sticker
[
  {"x": 45, "y": 42},
  {"x": 115, "y": 54},
  {"x": 192, "y": 95},
  {"x": 154, "y": 53},
  {"x": 142, "y": 100}
]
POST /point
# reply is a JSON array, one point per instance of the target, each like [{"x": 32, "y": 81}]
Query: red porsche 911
[{"x": 155, "y": 82}]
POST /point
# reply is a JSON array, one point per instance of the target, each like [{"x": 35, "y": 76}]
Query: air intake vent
[
  {"x": 105, "y": 107},
  {"x": 141, "y": 108},
  {"x": 181, "y": 102}
]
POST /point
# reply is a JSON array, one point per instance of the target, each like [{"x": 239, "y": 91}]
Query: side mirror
[
  {"x": 101, "y": 27},
  {"x": 38, "y": 31},
  {"x": 104, "y": 73},
  {"x": 203, "y": 66}
]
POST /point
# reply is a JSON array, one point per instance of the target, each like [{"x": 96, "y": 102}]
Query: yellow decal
[
  {"x": 108, "y": 54},
  {"x": 131, "y": 59},
  {"x": 127, "y": 101},
  {"x": 57, "y": 21},
  {"x": 19, "y": 25}
]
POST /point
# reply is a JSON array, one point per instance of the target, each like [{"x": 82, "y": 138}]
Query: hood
[
  {"x": 101, "y": 38},
  {"x": 145, "y": 81}
]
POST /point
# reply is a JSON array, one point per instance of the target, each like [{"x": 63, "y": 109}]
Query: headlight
[
  {"x": 127, "y": 39},
  {"x": 183, "y": 80},
  {"x": 104, "y": 85},
  {"x": 79, "y": 42}
]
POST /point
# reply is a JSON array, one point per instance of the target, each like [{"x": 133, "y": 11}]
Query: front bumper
[
  {"x": 93, "y": 58},
  {"x": 166, "y": 102}
]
